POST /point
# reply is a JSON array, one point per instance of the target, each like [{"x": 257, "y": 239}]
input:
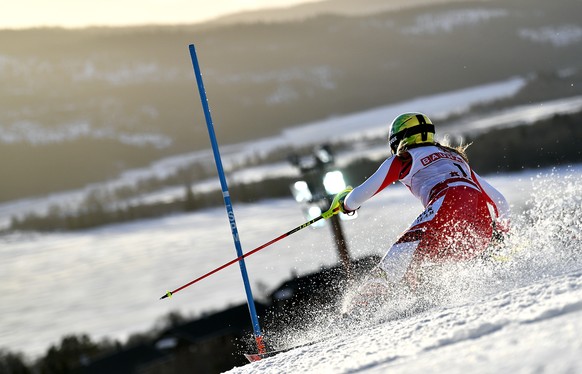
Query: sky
[{"x": 83, "y": 13}]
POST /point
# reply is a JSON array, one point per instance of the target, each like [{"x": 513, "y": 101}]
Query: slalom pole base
[{"x": 260, "y": 344}]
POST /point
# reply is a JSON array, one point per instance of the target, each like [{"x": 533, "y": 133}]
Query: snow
[
  {"x": 321, "y": 73},
  {"x": 560, "y": 36},
  {"x": 521, "y": 316},
  {"x": 517, "y": 116},
  {"x": 106, "y": 282},
  {"x": 529, "y": 329},
  {"x": 448, "y": 21},
  {"x": 371, "y": 122},
  {"x": 533, "y": 328},
  {"x": 35, "y": 133},
  {"x": 357, "y": 126},
  {"x": 374, "y": 122}
]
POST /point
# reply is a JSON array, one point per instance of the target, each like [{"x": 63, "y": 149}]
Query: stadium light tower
[{"x": 319, "y": 183}]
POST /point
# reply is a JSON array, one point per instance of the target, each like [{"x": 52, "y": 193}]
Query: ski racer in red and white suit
[{"x": 461, "y": 208}]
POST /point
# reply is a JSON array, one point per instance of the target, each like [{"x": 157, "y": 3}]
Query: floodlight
[
  {"x": 313, "y": 211},
  {"x": 301, "y": 192},
  {"x": 334, "y": 182}
]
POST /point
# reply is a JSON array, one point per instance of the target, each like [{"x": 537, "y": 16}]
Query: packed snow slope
[{"x": 522, "y": 315}]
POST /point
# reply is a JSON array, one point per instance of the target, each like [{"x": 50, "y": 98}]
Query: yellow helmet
[{"x": 410, "y": 129}]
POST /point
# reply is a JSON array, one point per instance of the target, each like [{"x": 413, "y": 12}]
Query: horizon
[{"x": 110, "y": 13}]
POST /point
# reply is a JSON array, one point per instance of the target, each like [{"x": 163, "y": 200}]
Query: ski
[{"x": 252, "y": 357}]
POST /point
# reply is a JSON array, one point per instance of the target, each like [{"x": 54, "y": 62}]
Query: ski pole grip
[{"x": 332, "y": 211}]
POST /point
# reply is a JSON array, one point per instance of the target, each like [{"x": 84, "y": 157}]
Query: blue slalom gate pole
[{"x": 227, "y": 202}]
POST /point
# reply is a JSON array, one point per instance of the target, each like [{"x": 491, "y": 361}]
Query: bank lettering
[{"x": 439, "y": 155}]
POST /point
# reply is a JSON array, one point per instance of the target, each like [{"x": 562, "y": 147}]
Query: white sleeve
[{"x": 386, "y": 174}]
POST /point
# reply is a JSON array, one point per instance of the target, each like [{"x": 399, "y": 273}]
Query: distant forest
[
  {"x": 81, "y": 106},
  {"x": 554, "y": 141}
]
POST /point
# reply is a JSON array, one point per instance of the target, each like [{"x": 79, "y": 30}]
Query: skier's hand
[
  {"x": 337, "y": 205},
  {"x": 339, "y": 200},
  {"x": 341, "y": 197}
]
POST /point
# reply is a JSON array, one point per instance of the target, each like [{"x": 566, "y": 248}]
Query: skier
[{"x": 462, "y": 211}]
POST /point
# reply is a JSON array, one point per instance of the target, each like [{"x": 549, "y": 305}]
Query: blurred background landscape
[
  {"x": 100, "y": 101},
  {"x": 102, "y": 125}
]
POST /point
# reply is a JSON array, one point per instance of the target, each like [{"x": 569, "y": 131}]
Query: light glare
[{"x": 334, "y": 182}]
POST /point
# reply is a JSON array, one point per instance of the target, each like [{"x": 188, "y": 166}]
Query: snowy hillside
[
  {"x": 104, "y": 101},
  {"x": 356, "y": 126},
  {"x": 161, "y": 253},
  {"x": 353, "y": 126},
  {"x": 519, "y": 316},
  {"x": 532, "y": 328}
]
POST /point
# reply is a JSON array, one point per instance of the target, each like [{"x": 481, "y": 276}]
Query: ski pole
[{"x": 325, "y": 215}]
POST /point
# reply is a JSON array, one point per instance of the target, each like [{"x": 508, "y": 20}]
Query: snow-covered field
[
  {"x": 521, "y": 316},
  {"x": 107, "y": 281}
]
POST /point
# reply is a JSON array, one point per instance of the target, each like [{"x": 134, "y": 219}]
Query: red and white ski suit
[{"x": 461, "y": 209}]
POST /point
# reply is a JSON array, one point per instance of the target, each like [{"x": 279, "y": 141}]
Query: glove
[
  {"x": 342, "y": 197},
  {"x": 337, "y": 205}
]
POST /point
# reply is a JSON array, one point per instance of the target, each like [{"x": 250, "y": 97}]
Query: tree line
[
  {"x": 75, "y": 351},
  {"x": 549, "y": 142}
]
